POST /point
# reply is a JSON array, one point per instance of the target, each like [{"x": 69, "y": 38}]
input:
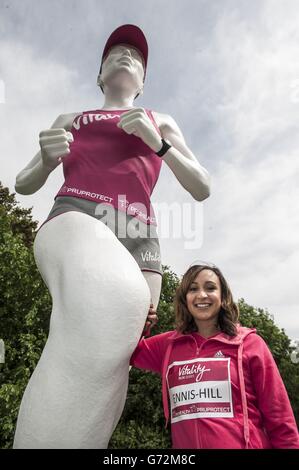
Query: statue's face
[
  {"x": 122, "y": 50},
  {"x": 127, "y": 60}
]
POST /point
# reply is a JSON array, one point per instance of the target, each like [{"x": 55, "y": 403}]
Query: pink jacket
[{"x": 224, "y": 392}]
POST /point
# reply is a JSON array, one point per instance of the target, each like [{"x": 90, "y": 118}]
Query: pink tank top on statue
[{"x": 106, "y": 165}]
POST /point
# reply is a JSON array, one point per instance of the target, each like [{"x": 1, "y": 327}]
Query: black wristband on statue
[{"x": 165, "y": 147}]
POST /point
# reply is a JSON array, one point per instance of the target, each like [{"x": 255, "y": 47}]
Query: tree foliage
[{"x": 25, "y": 307}]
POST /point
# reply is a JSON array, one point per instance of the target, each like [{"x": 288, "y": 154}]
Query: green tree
[
  {"x": 20, "y": 219},
  {"x": 25, "y": 307}
]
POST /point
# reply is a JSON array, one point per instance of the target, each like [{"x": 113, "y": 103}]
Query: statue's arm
[
  {"x": 34, "y": 175},
  {"x": 180, "y": 159}
]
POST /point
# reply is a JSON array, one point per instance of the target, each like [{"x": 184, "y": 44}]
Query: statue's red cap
[{"x": 128, "y": 34}]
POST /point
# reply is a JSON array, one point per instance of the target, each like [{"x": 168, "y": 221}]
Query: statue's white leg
[{"x": 76, "y": 394}]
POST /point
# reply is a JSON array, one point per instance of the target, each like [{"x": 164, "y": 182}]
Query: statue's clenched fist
[
  {"x": 137, "y": 122},
  {"x": 54, "y": 144}
]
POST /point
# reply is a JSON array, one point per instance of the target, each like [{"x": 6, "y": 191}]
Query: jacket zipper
[{"x": 197, "y": 421}]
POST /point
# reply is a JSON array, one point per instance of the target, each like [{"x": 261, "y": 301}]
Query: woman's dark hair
[{"x": 229, "y": 312}]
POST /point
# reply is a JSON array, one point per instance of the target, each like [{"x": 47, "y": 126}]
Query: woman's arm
[
  {"x": 272, "y": 397},
  {"x": 54, "y": 143},
  {"x": 149, "y": 352}
]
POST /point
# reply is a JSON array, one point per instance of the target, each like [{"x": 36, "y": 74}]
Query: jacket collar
[{"x": 242, "y": 332}]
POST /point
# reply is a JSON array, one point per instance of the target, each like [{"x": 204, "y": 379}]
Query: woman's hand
[
  {"x": 137, "y": 122},
  {"x": 54, "y": 144},
  {"x": 152, "y": 320}
]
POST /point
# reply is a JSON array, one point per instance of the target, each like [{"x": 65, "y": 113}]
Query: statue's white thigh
[{"x": 76, "y": 394}]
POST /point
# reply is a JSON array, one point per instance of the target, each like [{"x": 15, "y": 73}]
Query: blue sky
[{"x": 228, "y": 72}]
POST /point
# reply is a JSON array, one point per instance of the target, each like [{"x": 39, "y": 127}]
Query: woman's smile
[{"x": 202, "y": 305}]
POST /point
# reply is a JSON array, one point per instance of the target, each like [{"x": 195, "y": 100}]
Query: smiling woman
[
  {"x": 91, "y": 250},
  {"x": 204, "y": 303},
  {"x": 222, "y": 383}
]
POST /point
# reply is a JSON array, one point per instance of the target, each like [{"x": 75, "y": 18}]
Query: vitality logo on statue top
[{"x": 86, "y": 119}]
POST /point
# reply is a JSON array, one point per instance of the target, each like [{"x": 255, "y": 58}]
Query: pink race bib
[{"x": 200, "y": 388}]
